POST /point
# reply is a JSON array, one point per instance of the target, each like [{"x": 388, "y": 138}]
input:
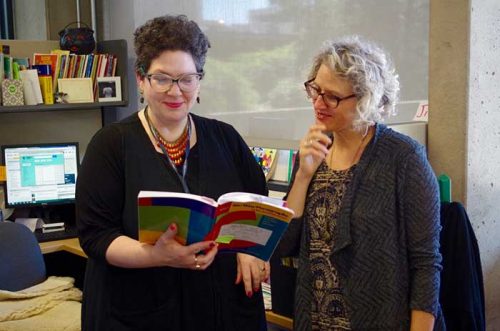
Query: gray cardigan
[{"x": 386, "y": 248}]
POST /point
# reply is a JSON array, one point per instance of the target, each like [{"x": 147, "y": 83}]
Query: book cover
[
  {"x": 12, "y": 92},
  {"x": 62, "y": 56},
  {"x": 78, "y": 90},
  {"x": 50, "y": 59},
  {"x": 43, "y": 69},
  {"x": 23, "y": 62},
  {"x": 31, "y": 87},
  {"x": 266, "y": 158},
  {"x": 239, "y": 222}
]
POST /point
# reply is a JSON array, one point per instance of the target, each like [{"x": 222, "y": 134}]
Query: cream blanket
[{"x": 52, "y": 305}]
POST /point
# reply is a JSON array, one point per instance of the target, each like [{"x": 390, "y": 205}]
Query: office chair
[
  {"x": 28, "y": 299},
  {"x": 21, "y": 260}
]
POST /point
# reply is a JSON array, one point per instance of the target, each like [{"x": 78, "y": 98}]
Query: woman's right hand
[
  {"x": 313, "y": 150},
  {"x": 168, "y": 252}
]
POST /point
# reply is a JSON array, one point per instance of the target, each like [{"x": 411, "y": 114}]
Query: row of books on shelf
[{"x": 58, "y": 76}]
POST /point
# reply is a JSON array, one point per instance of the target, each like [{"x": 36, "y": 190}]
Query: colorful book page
[{"x": 194, "y": 219}]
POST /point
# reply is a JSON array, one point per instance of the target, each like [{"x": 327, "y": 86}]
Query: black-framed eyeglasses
[
  {"x": 332, "y": 101},
  {"x": 162, "y": 83}
]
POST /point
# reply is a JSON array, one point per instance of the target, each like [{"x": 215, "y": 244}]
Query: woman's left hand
[{"x": 252, "y": 271}]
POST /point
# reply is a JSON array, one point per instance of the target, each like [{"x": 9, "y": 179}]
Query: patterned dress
[{"x": 328, "y": 311}]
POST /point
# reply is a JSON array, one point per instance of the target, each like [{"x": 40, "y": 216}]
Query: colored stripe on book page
[{"x": 193, "y": 205}]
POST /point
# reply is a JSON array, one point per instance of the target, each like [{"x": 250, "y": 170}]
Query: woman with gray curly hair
[
  {"x": 164, "y": 285},
  {"x": 366, "y": 202}
]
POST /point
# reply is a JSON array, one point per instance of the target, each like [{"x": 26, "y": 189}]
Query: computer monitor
[{"x": 40, "y": 175}]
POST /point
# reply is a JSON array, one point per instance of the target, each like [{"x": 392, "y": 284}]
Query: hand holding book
[
  {"x": 168, "y": 252},
  {"x": 239, "y": 222}
]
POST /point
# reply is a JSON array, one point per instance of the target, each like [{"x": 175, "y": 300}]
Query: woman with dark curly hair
[
  {"x": 367, "y": 235},
  {"x": 164, "y": 147}
]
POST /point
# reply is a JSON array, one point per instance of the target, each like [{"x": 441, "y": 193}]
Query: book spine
[
  {"x": 109, "y": 68},
  {"x": 46, "y": 87}
]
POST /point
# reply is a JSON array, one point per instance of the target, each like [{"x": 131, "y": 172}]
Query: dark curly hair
[{"x": 169, "y": 33}]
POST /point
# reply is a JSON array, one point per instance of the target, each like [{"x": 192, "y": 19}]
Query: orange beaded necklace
[{"x": 176, "y": 150}]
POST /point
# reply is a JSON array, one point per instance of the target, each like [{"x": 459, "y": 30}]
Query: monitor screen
[{"x": 40, "y": 174}]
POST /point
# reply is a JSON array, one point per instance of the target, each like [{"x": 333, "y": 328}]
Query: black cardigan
[
  {"x": 119, "y": 162},
  {"x": 386, "y": 248}
]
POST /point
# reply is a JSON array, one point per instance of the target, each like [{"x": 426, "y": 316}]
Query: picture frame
[
  {"x": 76, "y": 90},
  {"x": 109, "y": 89}
]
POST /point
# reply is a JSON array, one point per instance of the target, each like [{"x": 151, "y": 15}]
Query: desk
[
  {"x": 281, "y": 321},
  {"x": 73, "y": 246},
  {"x": 69, "y": 245}
]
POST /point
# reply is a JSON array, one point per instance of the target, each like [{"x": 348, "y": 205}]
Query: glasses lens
[
  {"x": 189, "y": 83},
  {"x": 311, "y": 92},
  {"x": 330, "y": 100},
  {"x": 161, "y": 83}
]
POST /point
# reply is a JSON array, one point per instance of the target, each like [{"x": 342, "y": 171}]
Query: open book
[{"x": 239, "y": 222}]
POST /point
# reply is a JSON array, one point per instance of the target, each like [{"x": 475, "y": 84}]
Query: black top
[
  {"x": 119, "y": 162},
  {"x": 462, "y": 289}
]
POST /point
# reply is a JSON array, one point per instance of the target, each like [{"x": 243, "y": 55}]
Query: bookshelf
[{"x": 60, "y": 122}]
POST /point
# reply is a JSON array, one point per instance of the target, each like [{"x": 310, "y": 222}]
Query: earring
[
  {"x": 197, "y": 99},
  {"x": 141, "y": 99}
]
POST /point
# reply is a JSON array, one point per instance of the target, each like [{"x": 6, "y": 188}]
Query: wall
[
  {"x": 483, "y": 145},
  {"x": 256, "y": 40},
  {"x": 464, "y": 129},
  {"x": 34, "y": 13},
  {"x": 448, "y": 90},
  {"x": 46, "y": 18},
  {"x": 119, "y": 23},
  {"x": 62, "y": 12}
]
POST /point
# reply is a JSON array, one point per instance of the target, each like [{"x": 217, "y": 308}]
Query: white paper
[
  {"x": 243, "y": 197},
  {"x": 246, "y": 232}
]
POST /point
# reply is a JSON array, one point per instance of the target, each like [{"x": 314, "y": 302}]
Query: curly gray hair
[{"x": 368, "y": 68}]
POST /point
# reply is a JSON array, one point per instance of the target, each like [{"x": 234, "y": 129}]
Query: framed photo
[
  {"x": 109, "y": 89},
  {"x": 76, "y": 90}
]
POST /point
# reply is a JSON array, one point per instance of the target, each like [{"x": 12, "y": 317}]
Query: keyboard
[{"x": 69, "y": 232}]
